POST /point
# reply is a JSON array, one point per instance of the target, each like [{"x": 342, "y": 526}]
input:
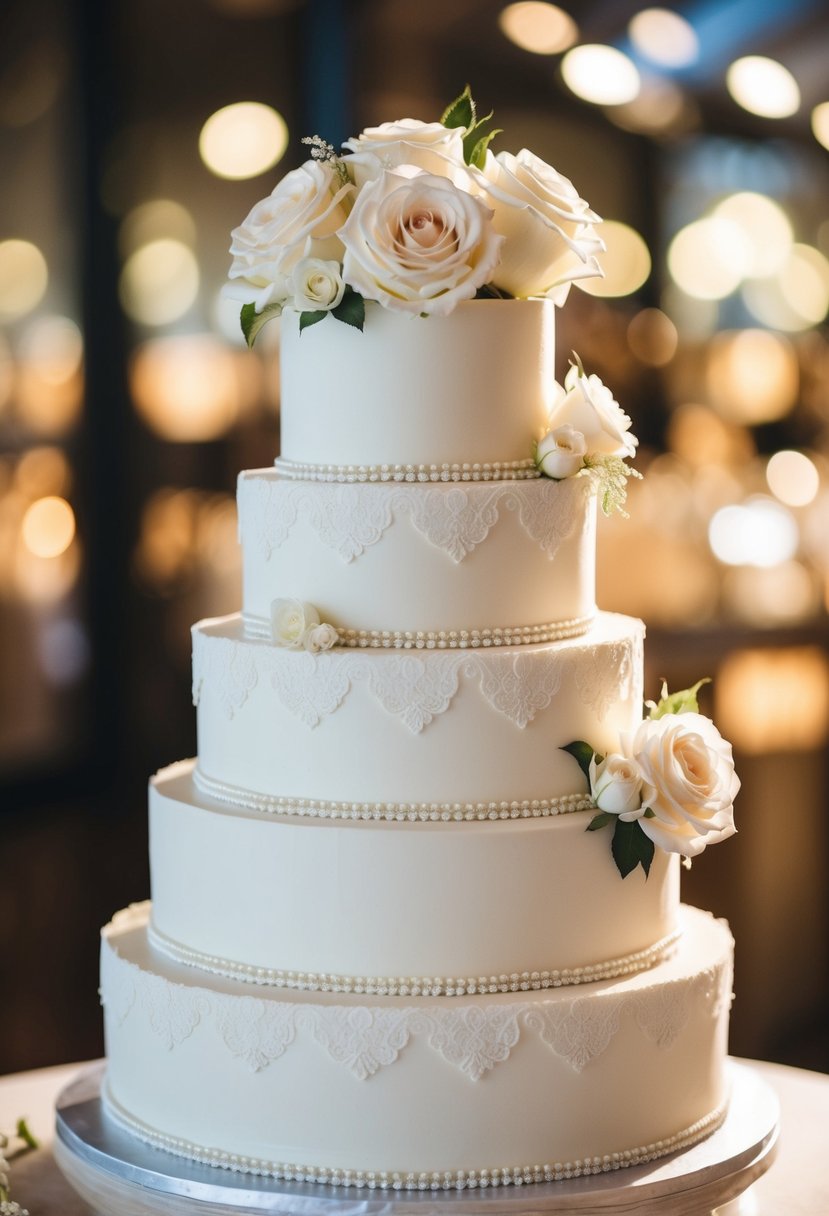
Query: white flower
[
  {"x": 561, "y": 452},
  {"x": 290, "y": 619},
  {"x": 688, "y": 782},
  {"x": 417, "y": 243},
  {"x": 299, "y": 219},
  {"x": 616, "y": 786},
  {"x": 549, "y": 235},
  {"x": 588, "y": 406},
  {"x": 317, "y": 285},
  {"x": 427, "y": 145},
  {"x": 320, "y": 637}
]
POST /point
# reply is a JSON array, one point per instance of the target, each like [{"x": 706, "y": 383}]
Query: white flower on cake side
[
  {"x": 588, "y": 431},
  {"x": 8, "y": 1207},
  {"x": 672, "y": 784},
  {"x": 296, "y": 625}
]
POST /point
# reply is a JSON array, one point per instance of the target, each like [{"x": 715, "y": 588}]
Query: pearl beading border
[
  {"x": 423, "y": 1180},
  {"x": 442, "y": 639},
  {"x": 313, "y": 981},
  {"x": 398, "y": 812},
  {"x": 498, "y": 470}
]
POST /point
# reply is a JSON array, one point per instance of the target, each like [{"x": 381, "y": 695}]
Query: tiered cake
[{"x": 383, "y": 947}]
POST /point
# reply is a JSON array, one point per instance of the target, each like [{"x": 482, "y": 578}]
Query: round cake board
[{"x": 119, "y": 1175}]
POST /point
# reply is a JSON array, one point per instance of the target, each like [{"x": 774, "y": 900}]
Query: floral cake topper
[
  {"x": 416, "y": 216},
  {"x": 672, "y": 783}
]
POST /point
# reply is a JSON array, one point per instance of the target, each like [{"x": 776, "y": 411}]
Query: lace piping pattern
[
  {"x": 472, "y": 1038},
  {"x": 396, "y": 812},
  {"x": 497, "y": 470},
  {"x": 414, "y": 689},
  {"x": 349, "y": 519},
  {"x": 446, "y": 1180},
  {"x": 524, "y": 981},
  {"x": 442, "y": 639}
]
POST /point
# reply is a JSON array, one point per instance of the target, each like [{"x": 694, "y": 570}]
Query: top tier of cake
[{"x": 473, "y": 388}]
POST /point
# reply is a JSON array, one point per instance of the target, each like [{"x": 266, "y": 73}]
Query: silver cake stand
[{"x": 118, "y": 1175}]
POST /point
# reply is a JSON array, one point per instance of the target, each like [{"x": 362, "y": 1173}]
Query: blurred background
[{"x": 134, "y": 134}]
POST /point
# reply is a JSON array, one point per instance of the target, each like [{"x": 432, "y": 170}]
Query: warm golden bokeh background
[{"x": 133, "y": 135}]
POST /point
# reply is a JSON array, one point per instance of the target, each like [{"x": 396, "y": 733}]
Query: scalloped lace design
[
  {"x": 411, "y": 688},
  {"x": 364, "y": 1039},
  {"x": 349, "y": 518}
]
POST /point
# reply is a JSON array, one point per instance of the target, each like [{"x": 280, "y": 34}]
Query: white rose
[
  {"x": 427, "y": 145},
  {"x": 320, "y": 637},
  {"x": 418, "y": 244},
  {"x": 561, "y": 452},
  {"x": 688, "y": 782},
  {"x": 299, "y": 219},
  {"x": 290, "y": 620},
  {"x": 589, "y": 406},
  {"x": 616, "y": 786},
  {"x": 550, "y": 240},
  {"x": 317, "y": 285}
]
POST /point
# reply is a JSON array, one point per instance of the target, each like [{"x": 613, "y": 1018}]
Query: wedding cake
[{"x": 415, "y": 916}]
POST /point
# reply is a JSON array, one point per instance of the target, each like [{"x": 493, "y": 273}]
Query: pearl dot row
[
  {"x": 507, "y": 470},
  {"x": 463, "y": 639}
]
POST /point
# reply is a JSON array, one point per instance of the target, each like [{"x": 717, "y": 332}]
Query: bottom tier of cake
[{"x": 417, "y": 1092}]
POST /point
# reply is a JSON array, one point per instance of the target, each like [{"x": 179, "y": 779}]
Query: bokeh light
[
  {"x": 660, "y": 108},
  {"x": 24, "y": 277},
  {"x": 793, "y": 478},
  {"x": 600, "y": 74},
  {"x": 653, "y": 337},
  {"x": 50, "y": 380},
  {"x": 43, "y": 471},
  {"x": 626, "y": 262},
  {"x": 752, "y": 375},
  {"x": 774, "y": 700},
  {"x": 664, "y": 37},
  {"x": 243, "y": 140},
  {"x": 710, "y": 257},
  {"x": 758, "y": 532},
  {"x": 797, "y": 297},
  {"x": 820, "y": 123},
  {"x": 48, "y": 526},
  {"x": 159, "y": 282},
  {"x": 544, "y": 29},
  {"x": 185, "y": 387},
  {"x": 763, "y": 87},
  {"x": 157, "y": 219},
  {"x": 765, "y": 226}
]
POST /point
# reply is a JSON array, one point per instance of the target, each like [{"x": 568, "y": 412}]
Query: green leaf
[
  {"x": 477, "y": 156},
  {"x": 582, "y": 753},
  {"x": 252, "y": 321},
  {"x": 351, "y": 309},
  {"x": 24, "y": 1134},
  {"x": 602, "y": 820},
  {"x": 461, "y": 112},
  {"x": 682, "y": 702},
  {"x": 576, "y": 362},
  {"x": 307, "y": 319},
  {"x": 631, "y": 848},
  {"x": 490, "y": 292}
]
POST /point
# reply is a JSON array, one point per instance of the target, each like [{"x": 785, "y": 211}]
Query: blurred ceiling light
[
  {"x": 152, "y": 221},
  {"x": 693, "y": 317},
  {"x": 700, "y": 437},
  {"x": 159, "y": 282},
  {"x": 797, "y": 297},
  {"x": 601, "y": 74},
  {"x": 709, "y": 257},
  {"x": 820, "y": 123},
  {"x": 793, "y": 478},
  {"x": 774, "y": 700},
  {"x": 23, "y": 278},
  {"x": 763, "y": 87},
  {"x": 765, "y": 225},
  {"x": 758, "y": 532},
  {"x": 752, "y": 376},
  {"x": 46, "y": 580},
  {"x": 186, "y": 388},
  {"x": 55, "y": 344},
  {"x": 42, "y": 471},
  {"x": 626, "y": 262},
  {"x": 659, "y": 108},
  {"x": 50, "y": 380},
  {"x": 48, "y": 526},
  {"x": 243, "y": 140},
  {"x": 664, "y": 37},
  {"x": 544, "y": 29},
  {"x": 653, "y": 337}
]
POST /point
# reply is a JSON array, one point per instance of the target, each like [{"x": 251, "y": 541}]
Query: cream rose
[
  {"x": 616, "y": 785},
  {"x": 548, "y": 229},
  {"x": 418, "y": 244},
  {"x": 290, "y": 621},
  {"x": 561, "y": 452},
  {"x": 320, "y": 637},
  {"x": 589, "y": 407},
  {"x": 688, "y": 782},
  {"x": 427, "y": 145},
  {"x": 317, "y": 285},
  {"x": 299, "y": 219}
]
